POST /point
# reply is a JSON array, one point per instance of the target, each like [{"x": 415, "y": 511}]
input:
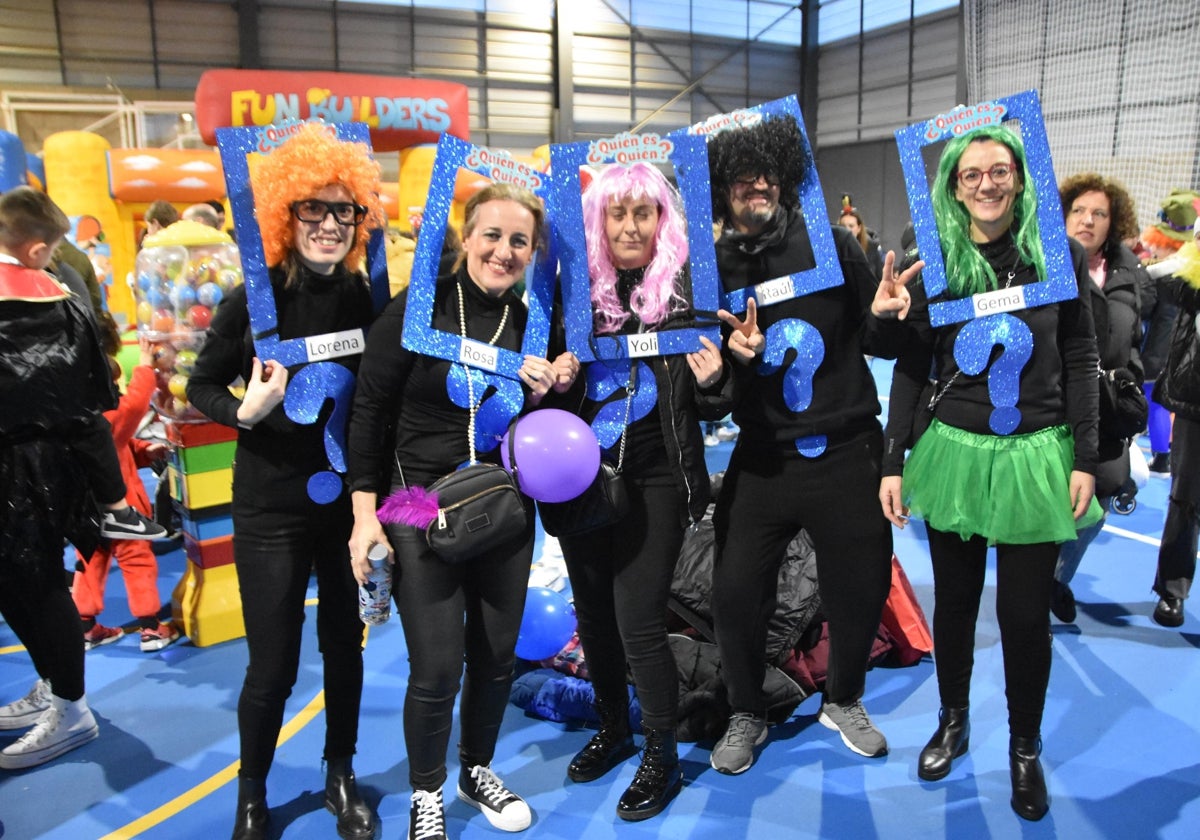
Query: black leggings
[
  {"x": 275, "y": 555},
  {"x": 1024, "y": 580},
  {"x": 765, "y": 499},
  {"x": 621, "y": 578},
  {"x": 453, "y": 612}
]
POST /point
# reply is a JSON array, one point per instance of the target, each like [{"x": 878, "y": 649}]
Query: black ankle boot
[
  {"x": 1028, "y": 783},
  {"x": 250, "y": 822},
  {"x": 608, "y": 747},
  {"x": 657, "y": 779},
  {"x": 951, "y": 740},
  {"x": 355, "y": 820}
]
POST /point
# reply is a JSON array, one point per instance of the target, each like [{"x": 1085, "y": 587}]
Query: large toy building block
[{"x": 206, "y": 603}]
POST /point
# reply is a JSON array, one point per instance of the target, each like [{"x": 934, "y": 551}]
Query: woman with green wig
[{"x": 1009, "y": 457}]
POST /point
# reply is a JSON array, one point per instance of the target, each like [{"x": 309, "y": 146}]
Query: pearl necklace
[{"x": 472, "y": 406}]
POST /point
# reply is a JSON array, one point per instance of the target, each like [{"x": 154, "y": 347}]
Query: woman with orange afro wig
[{"x": 315, "y": 199}]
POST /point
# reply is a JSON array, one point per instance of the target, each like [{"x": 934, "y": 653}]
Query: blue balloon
[{"x": 546, "y": 626}]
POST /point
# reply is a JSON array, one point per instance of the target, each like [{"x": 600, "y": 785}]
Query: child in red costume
[{"x": 135, "y": 558}]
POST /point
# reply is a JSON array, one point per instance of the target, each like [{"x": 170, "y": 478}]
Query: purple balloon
[{"x": 557, "y": 454}]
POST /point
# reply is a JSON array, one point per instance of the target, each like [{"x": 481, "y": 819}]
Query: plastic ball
[
  {"x": 177, "y": 385},
  {"x": 163, "y": 321},
  {"x": 227, "y": 278},
  {"x": 557, "y": 454},
  {"x": 209, "y": 294},
  {"x": 158, "y": 298},
  {"x": 185, "y": 361},
  {"x": 145, "y": 314},
  {"x": 183, "y": 296},
  {"x": 145, "y": 281},
  {"x": 164, "y": 358},
  {"x": 546, "y": 625},
  {"x": 199, "y": 316}
]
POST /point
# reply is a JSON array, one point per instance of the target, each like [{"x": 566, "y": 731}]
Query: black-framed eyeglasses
[
  {"x": 748, "y": 181},
  {"x": 314, "y": 211},
  {"x": 1000, "y": 174}
]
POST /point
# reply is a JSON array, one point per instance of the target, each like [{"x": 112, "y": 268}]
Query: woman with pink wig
[{"x": 621, "y": 574}]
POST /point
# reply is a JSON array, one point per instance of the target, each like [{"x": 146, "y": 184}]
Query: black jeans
[
  {"x": 765, "y": 499},
  {"x": 275, "y": 554},
  {"x": 621, "y": 579},
  {"x": 451, "y": 613},
  {"x": 1024, "y": 580}
]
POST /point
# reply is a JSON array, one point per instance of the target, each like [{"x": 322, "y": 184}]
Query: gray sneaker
[
  {"x": 734, "y": 753},
  {"x": 855, "y": 727}
]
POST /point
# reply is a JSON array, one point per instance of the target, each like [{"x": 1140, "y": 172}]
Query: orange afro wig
[{"x": 298, "y": 169}]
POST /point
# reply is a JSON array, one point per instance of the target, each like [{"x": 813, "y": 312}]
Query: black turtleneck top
[
  {"x": 275, "y": 459},
  {"x": 1058, "y": 384},
  {"x": 402, "y": 395}
]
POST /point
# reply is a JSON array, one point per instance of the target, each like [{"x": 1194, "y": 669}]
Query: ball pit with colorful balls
[{"x": 182, "y": 273}]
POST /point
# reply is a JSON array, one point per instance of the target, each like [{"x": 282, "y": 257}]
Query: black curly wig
[{"x": 773, "y": 146}]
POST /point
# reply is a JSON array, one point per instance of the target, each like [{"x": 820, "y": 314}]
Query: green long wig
[{"x": 967, "y": 272}]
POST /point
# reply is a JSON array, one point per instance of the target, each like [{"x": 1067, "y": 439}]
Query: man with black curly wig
[{"x": 811, "y": 463}]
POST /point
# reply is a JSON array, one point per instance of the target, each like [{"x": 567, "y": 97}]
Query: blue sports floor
[{"x": 1122, "y": 737}]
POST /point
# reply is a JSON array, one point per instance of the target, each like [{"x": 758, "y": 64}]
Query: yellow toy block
[{"x": 206, "y": 603}]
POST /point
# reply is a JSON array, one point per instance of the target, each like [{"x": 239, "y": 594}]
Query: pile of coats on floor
[{"x": 797, "y": 644}]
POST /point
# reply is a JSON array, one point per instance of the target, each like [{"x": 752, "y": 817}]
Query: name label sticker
[
  {"x": 334, "y": 345},
  {"x": 478, "y": 354},
  {"x": 642, "y": 345},
  {"x": 1001, "y": 300},
  {"x": 773, "y": 291}
]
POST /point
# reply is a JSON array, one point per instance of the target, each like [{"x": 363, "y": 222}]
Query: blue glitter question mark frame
[
  {"x": 689, "y": 157},
  {"x": 1059, "y": 285},
  {"x": 319, "y": 380},
  {"x": 827, "y": 272},
  {"x": 236, "y": 145},
  {"x": 419, "y": 334}
]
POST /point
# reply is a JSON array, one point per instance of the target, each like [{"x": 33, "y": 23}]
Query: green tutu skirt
[{"x": 1011, "y": 489}]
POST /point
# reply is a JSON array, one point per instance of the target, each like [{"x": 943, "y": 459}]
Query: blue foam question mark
[
  {"x": 496, "y": 411},
  {"x": 973, "y": 348},
  {"x": 306, "y": 393},
  {"x": 603, "y": 380},
  {"x": 803, "y": 337}
]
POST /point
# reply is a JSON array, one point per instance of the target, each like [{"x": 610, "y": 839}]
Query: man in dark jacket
[{"x": 809, "y": 451}]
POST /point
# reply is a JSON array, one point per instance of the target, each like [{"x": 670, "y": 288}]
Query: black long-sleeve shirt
[
  {"x": 1058, "y": 384},
  {"x": 403, "y": 394},
  {"x": 276, "y": 457},
  {"x": 844, "y": 395}
]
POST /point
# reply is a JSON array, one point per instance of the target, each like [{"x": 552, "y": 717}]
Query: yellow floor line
[
  {"x": 221, "y": 777},
  {"x": 215, "y": 781}
]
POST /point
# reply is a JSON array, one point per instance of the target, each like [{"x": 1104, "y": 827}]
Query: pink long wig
[{"x": 655, "y": 297}]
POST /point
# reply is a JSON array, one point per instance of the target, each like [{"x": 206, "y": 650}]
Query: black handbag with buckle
[{"x": 479, "y": 507}]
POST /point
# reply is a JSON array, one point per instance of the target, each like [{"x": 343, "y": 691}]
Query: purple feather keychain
[{"x": 413, "y": 506}]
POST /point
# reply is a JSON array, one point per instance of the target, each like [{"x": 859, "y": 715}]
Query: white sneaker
[
  {"x": 26, "y": 711},
  {"x": 483, "y": 789},
  {"x": 61, "y": 728}
]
